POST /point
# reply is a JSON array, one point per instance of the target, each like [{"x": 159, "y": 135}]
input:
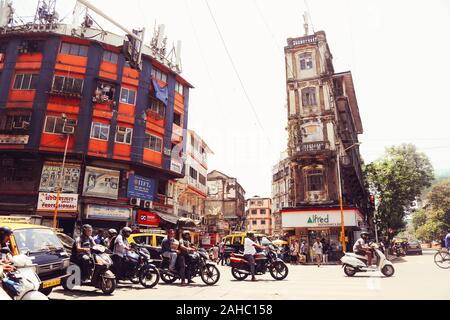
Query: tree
[
  {"x": 397, "y": 180},
  {"x": 419, "y": 218},
  {"x": 433, "y": 229},
  {"x": 439, "y": 198}
]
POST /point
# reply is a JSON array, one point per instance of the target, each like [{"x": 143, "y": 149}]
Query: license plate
[{"x": 51, "y": 283}]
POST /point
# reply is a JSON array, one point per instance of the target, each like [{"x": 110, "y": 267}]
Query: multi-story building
[
  {"x": 259, "y": 215},
  {"x": 75, "y": 90},
  {"x": 281, "y": 183},
  {"x": 189, "y": 193},
  {"x": 323, "y": 124},
  {"x": 225, "y": 204}
]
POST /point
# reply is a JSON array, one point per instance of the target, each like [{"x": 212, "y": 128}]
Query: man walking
[{"x": 318, "y": 251}]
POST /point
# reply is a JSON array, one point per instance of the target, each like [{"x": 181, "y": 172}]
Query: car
[
  {"x": 414, "y": 247},
  {"x": 44, "y": 248},
  {"x": 151, "y": 241}
]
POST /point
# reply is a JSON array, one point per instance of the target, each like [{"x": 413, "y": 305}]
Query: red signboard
[{"x": 147, "y": 218}]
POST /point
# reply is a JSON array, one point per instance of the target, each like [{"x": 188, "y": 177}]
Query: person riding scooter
[
  {"x": 121, "y": 248},
  {"x": 185, "y": 258},
  {"x": 361, "y": 248},
  {"x": 81, "y": 251},
  {"x": 168, "y": 250}
]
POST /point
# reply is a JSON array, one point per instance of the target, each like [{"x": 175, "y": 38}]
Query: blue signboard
[{"x": 140, "y": 187}]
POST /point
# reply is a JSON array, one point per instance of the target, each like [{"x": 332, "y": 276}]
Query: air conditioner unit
[
  {"x": 68, "y": 129},
  {"x": 148, "y": 204},
  {"x": 122, "y": 130},
  {"x": 135, "y": 202},
  {"x": 21, "y": 125}
]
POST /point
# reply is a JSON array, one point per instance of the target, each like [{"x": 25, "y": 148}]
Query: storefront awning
[
  {"x": 171, "y": 218},
  {"x": 187, "y": 223}
]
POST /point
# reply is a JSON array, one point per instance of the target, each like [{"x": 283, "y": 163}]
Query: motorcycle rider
[
  {"x": 361, "y": 248},
  {"x": 81, "y": 250},
  {"x": 112, "y": 234},
  {"x": 121, "y": 247},
  {"x": 447, "y": 240},
  {"x": 250, "y": 247},
  {"x": 100, "y": 238},
  {"x": 185, "y": 258},
  {"x": 5, "y": 233},
  {"x": 168, "y": 251}
]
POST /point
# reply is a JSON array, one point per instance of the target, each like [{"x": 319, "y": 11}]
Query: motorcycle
[
  {"x": 353, "y": 263},
  {"x": 22, "y": 283},
  {"x": 200, "y": 265},
  {"x": 398, "y": 249},
  {"x": 99, "y": 276},
  {"x": 137, "y": 268},
  {"x": 266, "y": 260}
]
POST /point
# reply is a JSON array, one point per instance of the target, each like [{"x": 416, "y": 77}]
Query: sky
[{"x": 398, "y": 52}]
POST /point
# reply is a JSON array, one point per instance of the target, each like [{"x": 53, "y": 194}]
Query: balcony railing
[
  {"x": 314, "y": 146},
  {"x": 302, "y": 40}
]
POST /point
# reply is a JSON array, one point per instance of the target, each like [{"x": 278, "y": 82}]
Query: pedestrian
[
  {"x": 294, "y": 252},
  {"x": 303, "y": 252},
  {"x": 221, "y": 254},
  {"x": 318, "y": 251},
  {"x": 216, "y": 252},
  {"x": 326, "y": 250}
]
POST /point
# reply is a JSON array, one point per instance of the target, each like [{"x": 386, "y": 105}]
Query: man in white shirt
[
  {"x": 250, "y": 250},
  {"x": 318, "y": 250}
]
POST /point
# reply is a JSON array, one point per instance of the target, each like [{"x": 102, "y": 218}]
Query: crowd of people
[{"x": 301, "y": 253}]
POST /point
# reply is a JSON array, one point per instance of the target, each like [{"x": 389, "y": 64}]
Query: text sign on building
[
  {"x": 147, "y": 218},
  {"x": 176, "y": 166},
  {"x": 141, "y": 187},
  {"x": 13, "y": 139},
  {"x": 319, "y": 218},
  {"x": 108, "y": 213},
  {"x": 101, "y": 183},
  {"x": 51, "y": 175},
  {"x": 67, "y": 202}
]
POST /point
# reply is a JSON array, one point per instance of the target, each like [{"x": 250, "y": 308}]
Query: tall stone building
[{"x": 323, "y": 125}]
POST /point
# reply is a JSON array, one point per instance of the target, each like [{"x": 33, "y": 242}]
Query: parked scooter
[
  {"x": 99, "y": 275},
  {"x": 398, "y": 249},
  {"x": 23, "y": 283},
  {"x": 136, "y": 268},
  {"x": 353, "y": 263},
  {"x": 265, "y": 261}
]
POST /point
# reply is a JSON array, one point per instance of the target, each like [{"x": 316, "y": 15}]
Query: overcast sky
[{"x": 398, "y": 52}]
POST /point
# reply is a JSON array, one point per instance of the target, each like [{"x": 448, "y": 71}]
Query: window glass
[
  {"x": 128, "y": 96},
  {"x": 153, "y": 143},
  {"x": 177, "y": 119},
  {"x": 65, "y": 48},
  {"x": 50, "y": 124},
  {"x": 18, "y": 81},
  {"x": 123, "y": 135},
  {"x": 58, "y": 83},
  {"x": 306, "y": 61},
  {"x": 100, "y": 131},
  {"x": 309, "y": 97},
  {"x": 315, "y": 180}
]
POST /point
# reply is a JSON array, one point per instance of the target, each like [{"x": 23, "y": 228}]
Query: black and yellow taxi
[
  {"x": 43, "y": 247},
  {"x": 151, "y": 240}
]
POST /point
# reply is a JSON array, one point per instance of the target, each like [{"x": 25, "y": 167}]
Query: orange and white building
[{"x": 259, "y": 215}]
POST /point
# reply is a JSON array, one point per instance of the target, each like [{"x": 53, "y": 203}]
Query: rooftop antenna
[
  {"x": 305, "y": 23},
  {"x": 46, "y": 14},
  {"x": 6, "y": 13}
]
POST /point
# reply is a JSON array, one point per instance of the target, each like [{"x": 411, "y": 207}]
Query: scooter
[
  {"x": 353, "y": 263},
  {"x": 23, "y": 283}
]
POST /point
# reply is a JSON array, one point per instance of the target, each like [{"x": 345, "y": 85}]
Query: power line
[{"x": 237, "y": 72}]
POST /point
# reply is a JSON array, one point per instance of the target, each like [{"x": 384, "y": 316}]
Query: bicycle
[{"x": 442, "y": 259}]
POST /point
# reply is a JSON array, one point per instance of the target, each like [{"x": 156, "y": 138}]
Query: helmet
[
  {"x": 126, "y": 230},
  {"x": 364, "y": 233},
  {"x": 112, "y": 231},
  {"x": 4, "y": 232},
  {"x": 186, "y": 233},
  {"x": 86, "y": 227}
]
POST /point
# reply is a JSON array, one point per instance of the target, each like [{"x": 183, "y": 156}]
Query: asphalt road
[{"x": 416, "y": 277}]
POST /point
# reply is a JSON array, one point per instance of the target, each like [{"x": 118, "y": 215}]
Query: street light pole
[
  {"x": 61, "y": 179},
  {"x": 341, "y": 206}
]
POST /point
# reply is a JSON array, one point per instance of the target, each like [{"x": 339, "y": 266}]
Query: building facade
[
  {"x": 259, "y": 215},
  {"x": 281, "y": 184},
  {"x": 323, "y": 125},
  {"x": 225, "y": 204},
  {"x": 74, "y": 90}
]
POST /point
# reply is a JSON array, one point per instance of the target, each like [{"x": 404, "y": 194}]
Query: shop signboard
[
  {"x": 108, "y": 213},
  {"x": 51, "y": 175},
  {"x": 13, "y": 139},
  {"x": 319, "y": 218},
  {"x": 176, "y": 166},
  {"x": 141, "y": 187},
  {"x": 145, "y": 218},
  {"x": 66, "y": 203},
  {"x": 101, "y": 183}
]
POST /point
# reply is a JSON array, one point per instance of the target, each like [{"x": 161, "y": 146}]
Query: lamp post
[
  {"x": 61, "y": 177},
  {"x": 338, "y": 162}
]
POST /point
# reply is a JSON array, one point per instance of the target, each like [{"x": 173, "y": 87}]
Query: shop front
[
  {"x": 66, "y": 214},
  {"x": 107, "y": 217},
  {"x": 323, "y": 223}
]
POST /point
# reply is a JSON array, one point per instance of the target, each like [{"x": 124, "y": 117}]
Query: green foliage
[
  {"x": 433, "y": 229},
  {"x": 397, "y": 179},
  {"x": 419, "y": 218}
]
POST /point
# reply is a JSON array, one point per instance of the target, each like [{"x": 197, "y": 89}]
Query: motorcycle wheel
[
  {"x": 388, "y": 270},
  {"x": 349, "y": 271},
  {"x": 46, "y": 291},
  {"x": 210, "y": 275},
  {"x": 238, "y": 275},
  {"x": 149, "y": 278},
  {"x": 108, "y": 285},
  {"x": 279, "y": 270},
  {"x": 167, "y": 278}
]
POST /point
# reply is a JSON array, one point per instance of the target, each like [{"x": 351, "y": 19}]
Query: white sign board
[
  {"x": 108, "y": 213},
  {"x": 176, "y": 166},
  {"x": 13, "y": 139},
  {"x": 67, "y": 202},
  {"x": 319, "y": 218},
  {"x": 101, "y": 183}
]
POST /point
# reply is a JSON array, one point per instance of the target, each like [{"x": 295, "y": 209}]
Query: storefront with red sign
[{"x": 147, "y": 219}]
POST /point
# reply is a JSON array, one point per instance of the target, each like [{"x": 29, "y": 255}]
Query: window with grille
[
  {"x": 67, "y": 85},
  {"x": 309, "y": 97},
  {"x": 54, "y": 125},
  {"x": 153, "y": 143},
  {"x": 74, "y": 49},
  {"x": 158, "y": 107},
  {"x": 15, "y": 122},
  {"x": 306, "y": 61},
  {"x": 315, "y": 180},
  {"x": 26, "y": 81},
  {"x": 100, "y": 131},
  {"x": 110, "y": 56},
  {"x": 193, "y": 173}
]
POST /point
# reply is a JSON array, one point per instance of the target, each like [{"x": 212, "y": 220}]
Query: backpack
[{"x": 112, "y": 243}]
